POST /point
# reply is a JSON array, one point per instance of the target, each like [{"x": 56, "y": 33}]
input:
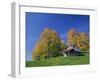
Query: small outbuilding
[{"x": 71, "y": 51}]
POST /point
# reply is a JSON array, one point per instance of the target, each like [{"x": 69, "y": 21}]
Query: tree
[
  {"x": 72, "y": 37},
  {"x": 63, "y": 45},
  {"x": 48, "y": 45},
  {"x": 83, "y": 41},
  {"x": 78, "y": 39},
  {"x": 38, "y": 50},
  {"x": 55, "y": 44}
]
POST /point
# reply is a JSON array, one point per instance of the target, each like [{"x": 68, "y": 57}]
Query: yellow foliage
[
  {"x": 48, "y": 39},
  {"x": 79, "y": 39}
]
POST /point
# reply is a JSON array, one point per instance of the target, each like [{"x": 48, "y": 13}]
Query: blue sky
[{"x": 61, "y": 23}]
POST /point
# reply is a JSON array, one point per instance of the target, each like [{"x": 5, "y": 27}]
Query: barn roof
[{"x": 70, "y": 48}]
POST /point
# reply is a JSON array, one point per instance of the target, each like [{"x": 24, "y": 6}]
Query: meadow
[{"x": 60, "y": 60}]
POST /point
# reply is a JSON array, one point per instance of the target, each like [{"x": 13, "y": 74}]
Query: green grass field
[{"x": 58, "y": 61}]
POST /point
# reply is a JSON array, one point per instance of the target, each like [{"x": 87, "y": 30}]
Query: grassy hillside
[{"x": 54, "y": 61}]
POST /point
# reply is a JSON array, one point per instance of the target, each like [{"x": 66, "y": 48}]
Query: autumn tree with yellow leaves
[
  {"x": 72, "y": 34},
  {"x": 78, "y": 39},
  {"x": 48, "y": 45},
  {"x": 83, "y": 41}
]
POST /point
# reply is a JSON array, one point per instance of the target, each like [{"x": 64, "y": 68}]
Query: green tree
[{"x": 63, "y": 45}]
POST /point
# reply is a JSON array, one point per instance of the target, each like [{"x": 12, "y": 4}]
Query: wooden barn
[{"x": 71, "y": 51}]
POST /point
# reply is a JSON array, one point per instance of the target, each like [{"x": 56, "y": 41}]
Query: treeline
[{"x": 50, "y": 44}]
